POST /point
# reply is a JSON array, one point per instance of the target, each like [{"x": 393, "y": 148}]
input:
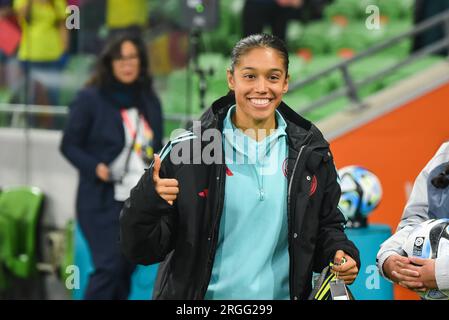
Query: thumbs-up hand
[{"x": 167, "y": 189}]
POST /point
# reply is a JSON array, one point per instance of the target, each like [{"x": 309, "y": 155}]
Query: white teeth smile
[{"x": 260, "y": 102}]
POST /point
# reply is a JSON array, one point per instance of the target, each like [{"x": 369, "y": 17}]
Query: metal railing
[
  {"x": 20, "y": 110},
  {"x": 350, "y": 89}
]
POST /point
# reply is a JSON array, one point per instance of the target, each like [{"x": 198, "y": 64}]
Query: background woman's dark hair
[
  {"x": 103, "y": 74},
  {"x": 259, "y": 41},
  {"x": 441, "y": 181}
]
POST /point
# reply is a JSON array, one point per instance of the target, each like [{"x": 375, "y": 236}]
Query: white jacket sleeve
[{"x": 415, "y": 212}]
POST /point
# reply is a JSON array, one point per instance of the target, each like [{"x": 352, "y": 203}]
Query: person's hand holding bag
[{"x": 345, "y": 266}]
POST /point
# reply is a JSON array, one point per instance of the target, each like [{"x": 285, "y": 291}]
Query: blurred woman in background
[
  {"x": 44, "y": 42},
  {"x": 114, "y": 125}
]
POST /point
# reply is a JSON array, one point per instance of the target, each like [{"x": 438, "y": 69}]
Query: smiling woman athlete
[{"x": 255, "y": 228}]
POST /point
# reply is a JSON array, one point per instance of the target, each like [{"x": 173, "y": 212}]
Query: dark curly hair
[
  {"x": 103, "y": 74},
  {"x": 259, "y": 41}
]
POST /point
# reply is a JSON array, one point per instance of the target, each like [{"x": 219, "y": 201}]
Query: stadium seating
[
  {"x": 5, "y": 246},
  {"x": 20, "y": 208},
  {"x": 313, "y": 47}
]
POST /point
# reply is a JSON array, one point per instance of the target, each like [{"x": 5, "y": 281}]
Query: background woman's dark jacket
[
  {"x": 185, "y": 235},
  {"x": 94, "y": 133}
]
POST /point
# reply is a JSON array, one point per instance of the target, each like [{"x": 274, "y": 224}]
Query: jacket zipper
[
  {"x": 214, "y": 233},
  {"x": 219, "y": 181},
  {"x": 220, "y": 178},
  {"x": 291, "y": 215}
]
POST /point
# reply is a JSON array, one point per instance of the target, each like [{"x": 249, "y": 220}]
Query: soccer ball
[
  {"x": 361, "y": 192},
  {"x": 429, "y": 240}
]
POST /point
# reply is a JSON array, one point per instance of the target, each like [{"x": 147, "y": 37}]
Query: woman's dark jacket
[
  {"x": 94, "y": 133},
  {"x": 184, "y": 236}
]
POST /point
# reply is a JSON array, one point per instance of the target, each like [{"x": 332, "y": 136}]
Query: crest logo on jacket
[
  {"x": 313, "y": 185},
  {"x": 203, "y": 194}
]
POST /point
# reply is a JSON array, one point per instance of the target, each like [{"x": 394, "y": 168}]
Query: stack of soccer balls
[
  {"x": 361, "y": 193},
  {"x": 429, "y": 240}
]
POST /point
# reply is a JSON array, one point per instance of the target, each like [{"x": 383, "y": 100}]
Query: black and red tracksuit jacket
[{"x": 183, "y": 237}]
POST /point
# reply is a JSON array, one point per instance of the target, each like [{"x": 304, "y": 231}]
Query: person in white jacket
[{"x": 429, "y": 200}]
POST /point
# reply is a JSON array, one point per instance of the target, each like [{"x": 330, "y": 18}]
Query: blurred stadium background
[{"x": 380, "y": 104}]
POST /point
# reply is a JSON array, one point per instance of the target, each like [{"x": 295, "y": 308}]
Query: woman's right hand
[
  {"x": 102, "y": 172},
  {"x": 167, "y": 189}
]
